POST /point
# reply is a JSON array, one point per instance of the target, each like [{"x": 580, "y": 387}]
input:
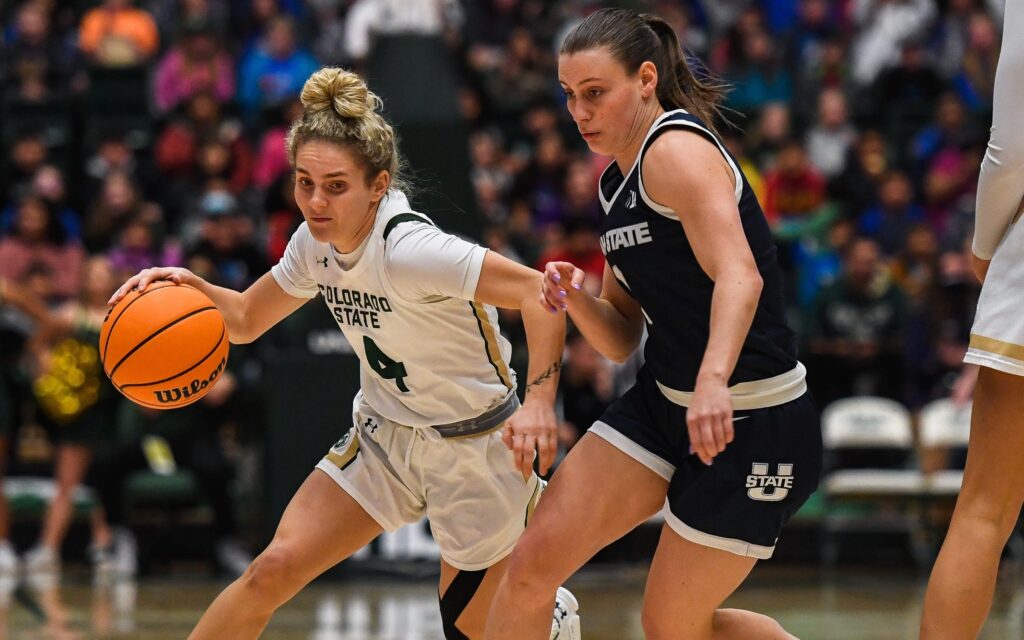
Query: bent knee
[
  {"x": 273, "y": 571},
  {"x": 533, "y": 566}
]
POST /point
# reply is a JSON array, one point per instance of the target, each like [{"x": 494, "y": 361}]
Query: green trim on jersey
[
  {"x": 489, "y": 334},
  {"x": 403, "y": 217}
]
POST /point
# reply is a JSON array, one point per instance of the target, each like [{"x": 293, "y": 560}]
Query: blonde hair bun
[{"x": 344, "y": 91}]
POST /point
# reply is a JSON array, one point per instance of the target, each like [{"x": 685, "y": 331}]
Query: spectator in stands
[
  {"x": 80, "y": 418},
  {"x": 738, "y": 145},
  {"x": 226, "y": 253},
  {"x": 890, "y": 222},
  {"x": 774, "y": 129},
  {"x": 805, "y": 43},
  {"x": 35, "y": 65},
  {"x": 118, "y": 202},
  {"x": 48, "y": 184},
  {"x": 585, "y": 389},
  {"x": 951, "y": 181},
  {"x": 283, "y": 216},
  {"x": 882, "y": 26},
  {"x": 855, "y": 330},
  {"x": 541, "y": 182},
  {"x": 196, "y": 64},
  {"x": 28, "y": 154},
  {"x": 271, "y": 160},
  {"x": 829, "y": 140},
  {"x": 113, "y": 154},
  {"x": 520, "y": 79},
  {"x": 139, "y": 245},
  {"x": 975, "y": 79},
  {"x": 274, "y": 71},
  {"x": 761, "y": 78},
  {"x": 794, "y": 194},
  {"x": 856, "y": 188},
  {"x": 37, "y": 238},
  {"x": 580, "y": 201},
  {"x": 579, "y": 245},
  {"x": 949, "y": 129},
  {"x": 116, "y": 34},
  {"x": 905, "y": 95},
  {"x": 819, "y": 261},
  {"x": 177, "y": 152},
  {"x": 951, "y": 36},
  {"x": 368, "y": 18},
  {"x": 172, "y": 15}
]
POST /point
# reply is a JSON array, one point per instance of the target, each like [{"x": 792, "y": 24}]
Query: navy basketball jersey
[{"x": 647, "y": 249}]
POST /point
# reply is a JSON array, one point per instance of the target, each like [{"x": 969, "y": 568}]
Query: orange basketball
[{"x": 164, "y": 347}]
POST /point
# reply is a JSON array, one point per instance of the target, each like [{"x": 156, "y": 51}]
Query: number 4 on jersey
[{"x": 384, "y": 366}]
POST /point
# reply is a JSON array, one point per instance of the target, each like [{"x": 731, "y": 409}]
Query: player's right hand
[
  {"x": 142, "y": 279},
  {"x": 562, "y": 281}
]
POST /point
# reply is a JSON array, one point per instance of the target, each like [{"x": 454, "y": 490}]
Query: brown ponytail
[{"x": 633, "y": 39}]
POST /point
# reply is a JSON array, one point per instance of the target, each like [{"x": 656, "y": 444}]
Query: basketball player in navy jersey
[{"x": 719, "y": 431}]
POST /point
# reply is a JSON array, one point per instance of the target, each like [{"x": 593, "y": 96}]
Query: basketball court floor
[{"x": 850, "y": 605}]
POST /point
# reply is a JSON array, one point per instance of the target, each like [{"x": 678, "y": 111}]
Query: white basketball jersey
[{"x": 428, "y": 354}]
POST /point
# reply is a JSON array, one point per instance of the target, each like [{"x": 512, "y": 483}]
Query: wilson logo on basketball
[{"x": 187, "y": 391}]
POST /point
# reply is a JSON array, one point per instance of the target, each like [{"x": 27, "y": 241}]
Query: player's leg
[
  {"x": 322, "y": 526},
  {"x": 963, "y": 581},
  {"x": 72, "y": 462},
  {"x": 687, "y": 584},
  {"x": 465, "y": 598},
  {"x": 597, "y": 495}
]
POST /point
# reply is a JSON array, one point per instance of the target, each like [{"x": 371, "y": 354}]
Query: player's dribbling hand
[
  {"x": 142, "y": 279},
  {"x": 709, "y": 419},
  {"x": 532, "y": 428},
  {"x": 562, "y": 280}
]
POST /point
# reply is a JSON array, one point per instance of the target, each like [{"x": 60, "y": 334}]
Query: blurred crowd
[{"x": 152, "y": 133}]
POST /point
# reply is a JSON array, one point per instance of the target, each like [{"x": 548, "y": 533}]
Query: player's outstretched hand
[
  {"x": 532, "y": 429},
  {"x": 142, "y": 279},
  {"x": 562, "y": 282},
  {"x": 709, "y": 420}
]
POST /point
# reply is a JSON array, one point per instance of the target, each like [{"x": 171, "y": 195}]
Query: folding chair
[{"x": 871, "y": 483}]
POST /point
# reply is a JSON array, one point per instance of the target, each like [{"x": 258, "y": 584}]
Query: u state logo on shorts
[{"x": 765, "y": 487}]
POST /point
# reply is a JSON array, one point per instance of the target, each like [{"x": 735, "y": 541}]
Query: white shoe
[
  {"x": 565, "y": 622},
  {"x": 41, "y": 560},
  {"x": 104, "y": 563},
  {"x": 125, "y": 558},
  {"x": 8, "y": 559}
]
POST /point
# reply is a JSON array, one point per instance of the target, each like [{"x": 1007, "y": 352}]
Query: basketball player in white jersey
[
  {"x": 437, "y": 428},
  {"x": 963, "y": 581}
]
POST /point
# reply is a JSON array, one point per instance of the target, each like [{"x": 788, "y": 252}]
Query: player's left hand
[
  {"x": 531, "y": 429},
  {"x": 709, "y": 419}
]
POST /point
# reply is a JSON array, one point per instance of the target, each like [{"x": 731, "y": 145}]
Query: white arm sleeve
[
  {"x": 424, "y": 262},
  {"x": 292, "y": 271},
  {"x": 1001, "y": 184}
]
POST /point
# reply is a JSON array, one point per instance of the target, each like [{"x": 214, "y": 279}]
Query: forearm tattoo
[{"x": 548, "y": 373}]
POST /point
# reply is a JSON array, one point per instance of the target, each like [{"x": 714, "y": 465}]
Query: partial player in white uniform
[
  {"x": 963, "y": 580},
  {"x": 437, "y": 428}
]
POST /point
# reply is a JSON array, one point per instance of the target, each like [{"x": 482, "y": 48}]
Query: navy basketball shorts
[{"x": 739, "y": 502}]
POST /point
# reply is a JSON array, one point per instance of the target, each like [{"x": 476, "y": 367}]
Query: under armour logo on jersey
[
  {"x": 323, "y": 261},
  {"x": 370, "y": 425},
  {"x": 769, "y": 488},
  {"x": 631, "y": 201}
]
